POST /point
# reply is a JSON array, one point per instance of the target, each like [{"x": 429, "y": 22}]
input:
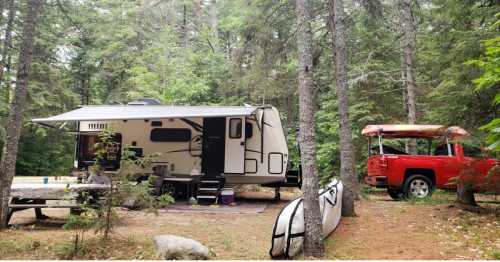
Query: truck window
[
  {"x": 472, "y": 151},
  {"x": 442, "y": 150}
]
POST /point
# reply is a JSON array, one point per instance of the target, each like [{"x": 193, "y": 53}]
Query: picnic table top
[
  {"x": 51, "y": 191},
  {"x": 58, "y": 186}
]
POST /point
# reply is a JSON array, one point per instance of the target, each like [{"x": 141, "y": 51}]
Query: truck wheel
[
  {"x": 395, "y": 194},
  {"x": 418, "y": 186}
]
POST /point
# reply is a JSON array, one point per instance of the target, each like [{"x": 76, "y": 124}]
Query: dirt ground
[
  {"x": 383, "y": 229},
  {"x": 387, "y": 229}
]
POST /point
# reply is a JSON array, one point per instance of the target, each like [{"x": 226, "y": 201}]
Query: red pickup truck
[{"x": 417, "y": 175}]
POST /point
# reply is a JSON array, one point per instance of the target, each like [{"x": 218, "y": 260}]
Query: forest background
[{"x": 231, "y": 52}]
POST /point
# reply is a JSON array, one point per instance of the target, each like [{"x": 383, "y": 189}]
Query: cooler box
[{"x": 227, "y": 196}]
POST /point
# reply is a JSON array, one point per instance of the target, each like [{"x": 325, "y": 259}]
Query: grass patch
[
  {"x": 366, "y": 191},
  {"x": 8, "y": 246},
  {"x": 227, "y": 241},
  {"x": 127, "y": 248},
  {"x": 66, "y": 250},
  {"x": 438, "y": 197},
  {"x": 115, "y": 248}
]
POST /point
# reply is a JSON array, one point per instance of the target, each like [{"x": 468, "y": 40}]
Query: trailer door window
[
  {"x": 170, "y": 135},
  {"x": 235, "y": 128}
]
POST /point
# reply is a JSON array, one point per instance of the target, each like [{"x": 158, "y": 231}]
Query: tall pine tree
[
  {"x": 17, "y": 106},
  {"x": 313, "y": 243}
]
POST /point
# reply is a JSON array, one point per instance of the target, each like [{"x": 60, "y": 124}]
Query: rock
[
  {"x": 130, "y": 203},
  {"x": 193, "y": 201},
  {"x": 174, "y": 247}
]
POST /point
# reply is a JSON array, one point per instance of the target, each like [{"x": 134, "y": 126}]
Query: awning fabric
[
  {"x": 415, "y": 131},
  {"x": 129, "y": 112}
]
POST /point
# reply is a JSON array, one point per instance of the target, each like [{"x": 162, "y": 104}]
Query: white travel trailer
[{"x": 204, "y": 146}]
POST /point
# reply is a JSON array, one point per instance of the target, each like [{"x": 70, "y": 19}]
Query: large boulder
[{"x": 180, "y": 248}]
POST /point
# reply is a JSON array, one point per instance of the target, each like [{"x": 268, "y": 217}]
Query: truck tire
[
  {"x": 417, "y": 186},
  {"x": 395, "y": 194}
]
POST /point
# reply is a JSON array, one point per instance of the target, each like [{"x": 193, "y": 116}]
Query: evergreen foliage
[{"x": 97, "y": 52}]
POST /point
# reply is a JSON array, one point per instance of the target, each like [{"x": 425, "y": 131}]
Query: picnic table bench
[{"x": 25, "y": 196}]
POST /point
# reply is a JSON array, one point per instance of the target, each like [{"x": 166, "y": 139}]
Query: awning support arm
[{"x": 56, "y": 127}]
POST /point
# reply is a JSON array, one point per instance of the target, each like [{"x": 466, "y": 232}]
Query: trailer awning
[
  {"x": 414, "y": 131},
  {"x": 130, "y": 112}
]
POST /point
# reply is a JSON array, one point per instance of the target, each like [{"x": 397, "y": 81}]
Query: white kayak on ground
[{"x": 288, "y": 230}]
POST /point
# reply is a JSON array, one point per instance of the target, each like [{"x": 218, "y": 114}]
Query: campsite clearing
[{"x": 384, "y": 229}]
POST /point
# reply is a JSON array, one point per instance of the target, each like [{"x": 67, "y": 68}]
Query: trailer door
[{"x": 235, "y": 146}]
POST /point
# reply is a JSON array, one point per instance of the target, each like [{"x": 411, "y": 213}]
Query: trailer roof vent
[{"x": 144, "y": 101}]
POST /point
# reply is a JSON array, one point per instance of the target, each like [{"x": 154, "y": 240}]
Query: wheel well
[{"x": 429, "y": 173}]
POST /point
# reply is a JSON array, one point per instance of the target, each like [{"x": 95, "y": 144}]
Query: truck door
[
  {"x": 446, "y": 166},
  {"x": 235, "y": 146},
  {"x": 474, "y": 158}
]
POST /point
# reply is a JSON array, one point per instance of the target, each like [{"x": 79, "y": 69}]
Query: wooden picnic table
[{"x": 25, "y": 196}]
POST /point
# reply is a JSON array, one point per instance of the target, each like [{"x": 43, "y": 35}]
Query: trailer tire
[
  {"x": 168, "y": 188},
  {"x": 76, "y": 211},
  {"x": 417, "y": 186}
]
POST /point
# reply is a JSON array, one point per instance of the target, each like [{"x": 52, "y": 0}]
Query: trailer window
[
  {"x": 170, "y": 135},
  {"x": 138, "y": 152},
  {"x": 156, "y": 123},
  {"x": 87, "y": 147},
  {"x": 87, "y": 151},
  {"x": 235, "y": 128},
  {"x": 248, "y": 130}
]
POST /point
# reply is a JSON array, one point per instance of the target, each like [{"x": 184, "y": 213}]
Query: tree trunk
[
  {"x": 408, "y": 29},
  {"x": 7, "y": 42},
  {"x": 347, "y": 171},
  {"x": 465, "y": 195},
  {"x": 403, "y": 79},
  {"x": 15, "y": 118},
  {"x": 184, "y": 28},
  {"x": 313, "y": 243},
  {"x": 198, "y": 14},
  {"x": 2, "y": 6},
  {"x": 213, "y": 23},
  {"x": 109, "y": 205}
]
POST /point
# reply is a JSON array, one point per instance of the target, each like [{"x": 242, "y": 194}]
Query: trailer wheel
[
  {"x": 418, "y": 186},
  {"x": 75, "y": 211},
  {"x": 10, "y": 211},
  {"x": 395, "y": 194},
  {"x": 168, "y": 188}
]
